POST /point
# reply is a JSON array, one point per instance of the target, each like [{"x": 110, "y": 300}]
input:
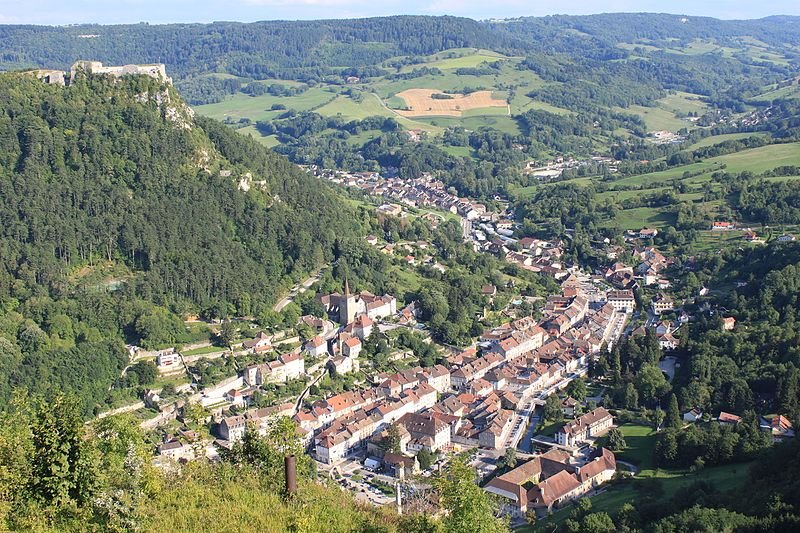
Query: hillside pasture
[
  {"x": 716, "y": 139},
  {"x": 256, "y": 108},
  {"x": 420, "y": 102},
  {"x": 369, "y": 106},
  {"x": 458, "y": 58}
]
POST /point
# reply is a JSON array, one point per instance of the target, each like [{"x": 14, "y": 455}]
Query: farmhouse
[
  {"x": 693, "y": 416},
  {"x": 513, "y": 485}
]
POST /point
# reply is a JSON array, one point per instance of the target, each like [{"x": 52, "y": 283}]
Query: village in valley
[{"x": 522, "y": 402}]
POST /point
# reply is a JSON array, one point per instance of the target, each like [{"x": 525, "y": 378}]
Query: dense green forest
[
  {"x": 261, "y": 50},
  {"x": 582, "y": 50},
  {"x": 120, "y": 209}
]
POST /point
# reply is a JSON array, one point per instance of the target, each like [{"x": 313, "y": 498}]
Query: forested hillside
[
  {"x": 260, "y": 49},
  {"x": 557, "y": 47},
  {"x": 114, "y": 185}
]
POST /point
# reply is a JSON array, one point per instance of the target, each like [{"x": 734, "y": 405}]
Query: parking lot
[{"x": 358, "y": 482}]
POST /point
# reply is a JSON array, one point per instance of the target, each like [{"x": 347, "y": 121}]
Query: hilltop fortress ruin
[{"x": 58, "y": 77}]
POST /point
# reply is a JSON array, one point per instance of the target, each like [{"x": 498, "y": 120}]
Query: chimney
[{"x": 290, "y": 471}]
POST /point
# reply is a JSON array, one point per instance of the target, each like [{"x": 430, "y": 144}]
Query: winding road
[{"x": 298, "y": 289}]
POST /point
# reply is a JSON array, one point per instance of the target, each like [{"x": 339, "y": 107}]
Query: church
[{"x": 348, "y": 306}]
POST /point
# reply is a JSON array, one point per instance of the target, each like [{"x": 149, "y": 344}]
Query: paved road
[
  {"x": 298, "y": 289},
  {"x": 299, "y": 403},
  {"x": 521, "y": 419}
]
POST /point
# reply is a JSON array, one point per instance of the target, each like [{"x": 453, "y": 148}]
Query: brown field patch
[{"x": 420, "y": 103}]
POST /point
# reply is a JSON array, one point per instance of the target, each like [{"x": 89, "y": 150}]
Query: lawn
[
  {"x": 791, "y": 91},
  {"x": 683, "y": 102},
  {"x": 550, "y": 429},
  {"x": 641, "y": 441},
  {"x": 664, "y": 115},
  {"x": 521, "y": 103},
  {"x": 658, "y": 178},
  {"x": 458, "y": 151},
  {"x": 725, "y": 478},
  {"x": 202, "y": 351},
  {"x": 349, "y": 109},
  {"x": 756, "y": 160},
  {"x": 269, "y": 141}
]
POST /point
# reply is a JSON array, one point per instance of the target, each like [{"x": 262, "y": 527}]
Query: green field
[
  {"x": 502, "y": 123},
  {"x": 683, "y": 102},
  {"x": 457, "y": 58},
  {"x": 458, "y": 151},
  {"x": 657, "y": 118},
  {"x": 521, "y": 103},
  {"x": 664, "y": 115},
  {"x": 269, "y": 141},
  {"x": 759, "y": 160},
  {"x": 716, "y": 139},
  {"x": 328, "y": 100},
  {"x": 369, "y": 106},
  {"x": 642, "y": 217},
  {"x": 257, "y": 107},
  {"x": 349, "y": 109},
  {"x": 756, "y": 160}
]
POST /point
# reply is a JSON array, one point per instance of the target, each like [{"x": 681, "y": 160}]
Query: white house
[
  {"x": 316, "y": 347},
  {"x": 692, "y": 416}
]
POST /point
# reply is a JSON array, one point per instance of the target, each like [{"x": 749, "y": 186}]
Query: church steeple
[{"x": 347, "y": 305}]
